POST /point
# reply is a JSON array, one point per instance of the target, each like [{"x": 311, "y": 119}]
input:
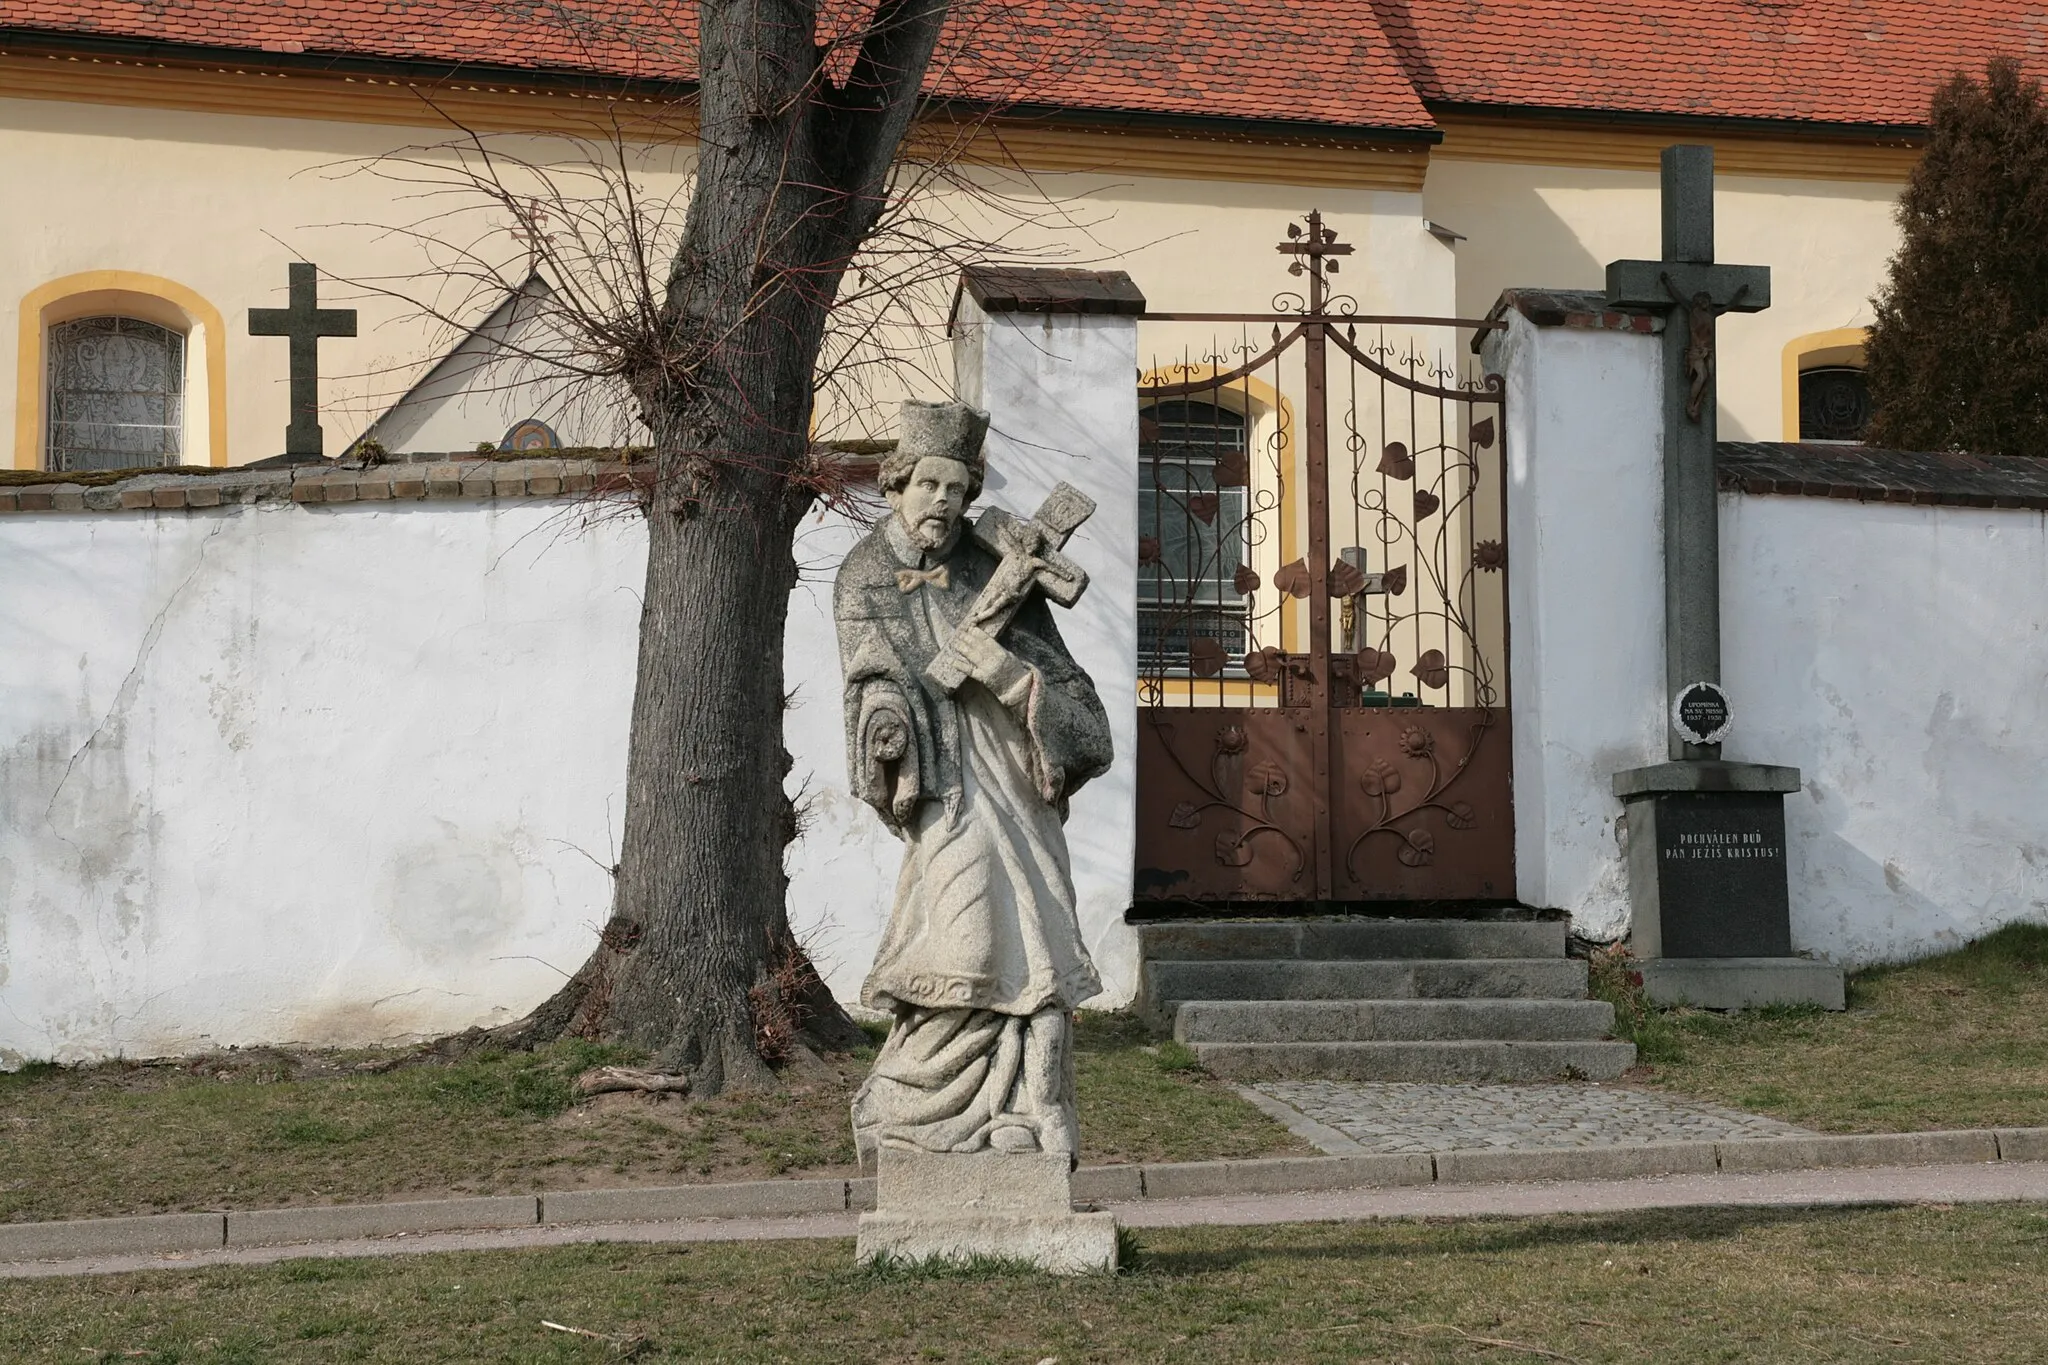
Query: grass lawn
[
  {"x": 1958, "y": 1041},
  {"x": 268, "y": 1128},
  {"x": 1926, "y": 1284}
]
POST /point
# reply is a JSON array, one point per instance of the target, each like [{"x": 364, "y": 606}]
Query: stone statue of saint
[{"x": 982, "y": 964}]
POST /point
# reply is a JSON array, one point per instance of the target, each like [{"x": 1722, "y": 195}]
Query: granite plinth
[
  {"x": 1739, "y": 983},
  {"x": 957, "y": 1206},
  {"x": 1706, "y": 859}
]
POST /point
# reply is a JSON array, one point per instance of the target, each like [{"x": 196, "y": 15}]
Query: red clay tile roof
[
  {"x": 1360, "y": 64},
  {"x": 1829, "y": 61},
  {"x": 1297, "y": 61}
]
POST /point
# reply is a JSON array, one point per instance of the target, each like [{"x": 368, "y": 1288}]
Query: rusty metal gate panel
[{"x": 1322, "y": 607}]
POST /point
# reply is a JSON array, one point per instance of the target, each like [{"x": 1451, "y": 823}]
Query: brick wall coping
[
  {"x": 1584, "y": 309},
  {"x": 1869, "y": 474},
  {"x": 395, "y": 478},
  {"x": 398, "y": 480}
]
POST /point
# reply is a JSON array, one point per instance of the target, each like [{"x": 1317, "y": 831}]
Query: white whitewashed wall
[
  {"x": 346, "y": 773},
  {"x": 349, "y": 773},
  {"x": 1897, "y": 656}
]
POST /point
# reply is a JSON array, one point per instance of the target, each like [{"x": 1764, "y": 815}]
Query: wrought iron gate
[{"x": 1322, "y": 644}]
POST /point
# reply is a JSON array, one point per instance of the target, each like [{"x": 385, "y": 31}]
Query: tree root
[{"x": 605, "y": 1080}]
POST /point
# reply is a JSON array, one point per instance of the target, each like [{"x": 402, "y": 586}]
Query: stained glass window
[
  {"x": 117, "y": 394},
  {"x": 1834, "y": 403}
]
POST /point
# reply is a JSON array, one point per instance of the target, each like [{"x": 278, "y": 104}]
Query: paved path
[
  {"x": 1987, "y": 1182},
  {"x": 1359, "y": 1116}
]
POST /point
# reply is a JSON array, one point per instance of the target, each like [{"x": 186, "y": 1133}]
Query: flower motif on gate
[{"x": 1264, "y": 780}]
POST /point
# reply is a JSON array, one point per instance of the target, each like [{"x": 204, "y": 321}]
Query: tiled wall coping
[{"x": 1871, "y": 474}]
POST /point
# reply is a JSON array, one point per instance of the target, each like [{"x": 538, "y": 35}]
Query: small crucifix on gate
[{"x": 305, "y": 322}]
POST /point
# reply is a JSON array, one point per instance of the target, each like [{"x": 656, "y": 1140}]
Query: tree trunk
[{"x": 698, "y": 964}]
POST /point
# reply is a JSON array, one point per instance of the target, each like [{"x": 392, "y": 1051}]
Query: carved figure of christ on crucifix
[
  {"x": 305, "y": 322},
  {"x": 1693, "y": 292}
]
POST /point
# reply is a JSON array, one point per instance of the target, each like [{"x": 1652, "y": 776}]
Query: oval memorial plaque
[{"x": 1701, "y": 714}]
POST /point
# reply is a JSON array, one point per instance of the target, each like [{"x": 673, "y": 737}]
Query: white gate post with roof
[
  {"x": 1585, "y": 587},
  {"x": 1053, "y": 356}
]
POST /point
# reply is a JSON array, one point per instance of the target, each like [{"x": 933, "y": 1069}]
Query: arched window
[
  {"x": 1834, "y": 403},
  {"x": 1827, "y": 393},
  {"x": 116, "y": 394},
  {"x": 1191, "y": 524}
]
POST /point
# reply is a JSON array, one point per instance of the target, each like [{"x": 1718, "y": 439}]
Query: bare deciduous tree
[{"x": 806, "y": 234}]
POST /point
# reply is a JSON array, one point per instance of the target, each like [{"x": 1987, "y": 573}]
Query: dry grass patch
[
  {"x": 1957, "y": 1041},
  {"x": 272, "y": 1128},
  {"x": 1962, "y": 1285}
]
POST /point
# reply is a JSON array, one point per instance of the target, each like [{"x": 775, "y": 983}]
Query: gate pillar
[
  {"x": 1586, "y": 600},
  {"x": 1051, "y": 355}
]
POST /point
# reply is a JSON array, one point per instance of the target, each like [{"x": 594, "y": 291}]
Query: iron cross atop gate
[
  {"x": 1311, "y": 248},
  {"x": 305, "y": 322},
  {"x": 1693, "y": 292}
]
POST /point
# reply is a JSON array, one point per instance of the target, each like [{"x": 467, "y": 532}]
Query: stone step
[
  {"x": 1391, "y": 1021},
  {"x": 1438, "y": 1062},
  {"x": 1165, "y": 985},
  {"x": 1349, "y": 939}
]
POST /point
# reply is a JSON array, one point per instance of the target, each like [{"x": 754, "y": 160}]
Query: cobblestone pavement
[{"x": 1386, "y": 1117}]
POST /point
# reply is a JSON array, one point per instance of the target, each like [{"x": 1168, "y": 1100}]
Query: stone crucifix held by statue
[{"x": 969, "y": 728}]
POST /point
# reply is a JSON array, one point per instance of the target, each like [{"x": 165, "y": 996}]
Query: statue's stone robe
[{"x": 982, "y": 962}]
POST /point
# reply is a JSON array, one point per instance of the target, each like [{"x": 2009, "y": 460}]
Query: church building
[{"x": 177, "y": 157}]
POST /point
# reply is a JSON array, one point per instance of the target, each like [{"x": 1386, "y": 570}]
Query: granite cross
[
  {"x": 1692, "y": 291},
  {"x": 305, "y": 322}
]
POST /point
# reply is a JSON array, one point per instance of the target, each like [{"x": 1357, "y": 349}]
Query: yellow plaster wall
[
  {"x": 220, "y": 203},
  {"x": 1826, "y": 241}
]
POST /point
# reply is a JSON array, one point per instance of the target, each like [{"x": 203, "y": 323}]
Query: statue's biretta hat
[{"x": 952, "y": 431}]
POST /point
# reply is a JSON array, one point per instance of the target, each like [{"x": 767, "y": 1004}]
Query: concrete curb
[{"x": 184, "y": 1232}]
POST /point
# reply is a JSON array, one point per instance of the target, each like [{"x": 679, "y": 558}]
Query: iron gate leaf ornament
[
  {"x": 1346, "y": 579},
  {"x": 1245, "y": 580},
  {"x": 1380, "y": 778},
  {"x": 1266, "y": 779},
  {"x": 1395, "y": 580},
  {"x": 1396, "y": 462},
  {"x": 1233, "y": 851},
  {"x": 1233, "y": 470},
  {"x": 1426, "y": 502},
  {"x": 1431, "y": 669},
  {"x": 1148, "y": 550},
  {"x": 1263, "y": 665},
  {"x": 1186, "y": 815},
  {"x": 1482, "y": 433},
  {"x": 1292, "y": 579},
  {"x": 1460, "y": 815},
  {"x": 1419, "y": 850},
  {"x": 1206, "y": 657},
  {"x": 1202, "y": 507},
  {"x": 1374, "y": 665}
]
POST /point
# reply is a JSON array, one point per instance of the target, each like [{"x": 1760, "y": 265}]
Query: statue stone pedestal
[{"x": 954, "y": 1206}]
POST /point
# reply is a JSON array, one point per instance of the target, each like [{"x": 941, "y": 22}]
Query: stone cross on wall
[
  {"x": 1692, "y": 292},
  {"x": 305, "y": 322}
]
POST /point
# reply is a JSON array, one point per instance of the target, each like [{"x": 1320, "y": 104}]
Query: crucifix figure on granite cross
[
  {"x": 1687, "y": 285},
  {"x": 305, "y": 322}
]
